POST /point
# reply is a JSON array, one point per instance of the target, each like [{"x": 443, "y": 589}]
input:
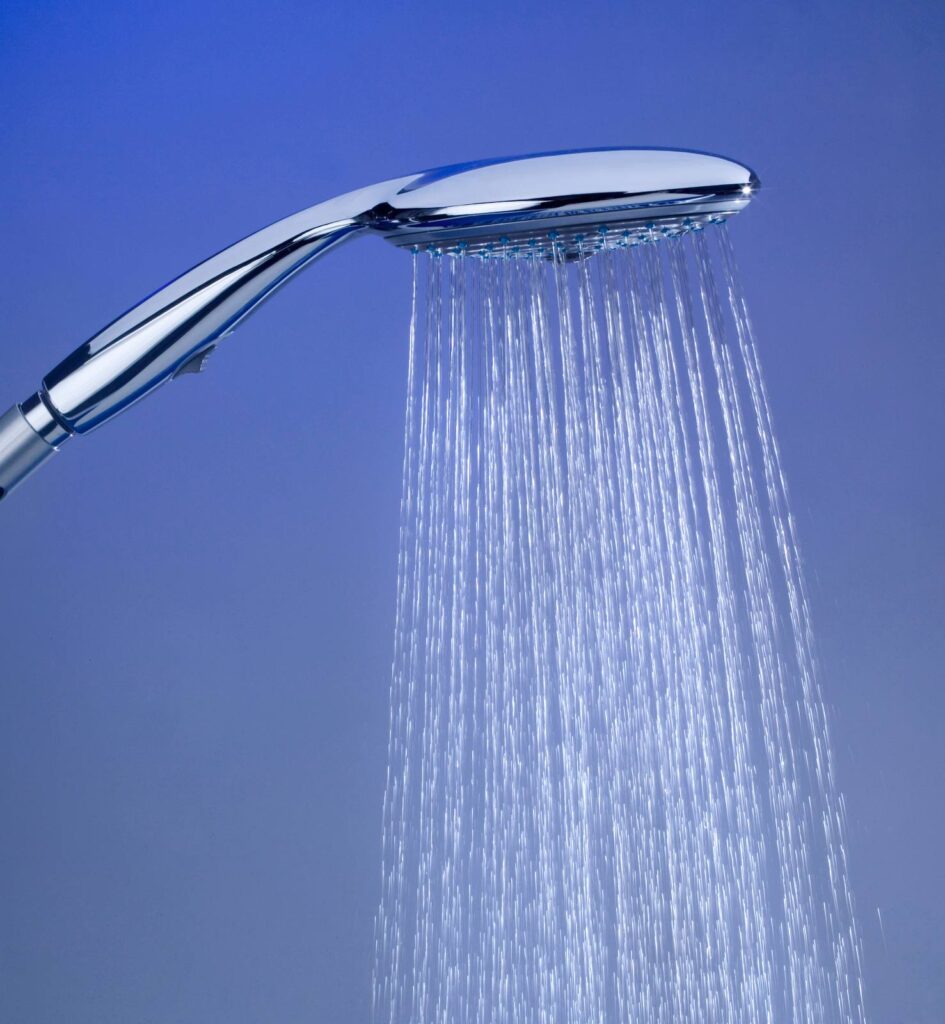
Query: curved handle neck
[{"x": 168, "y": 330}]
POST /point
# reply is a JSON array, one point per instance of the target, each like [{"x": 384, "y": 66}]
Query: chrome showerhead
[
  {"x": 551, "y": 205},
  {"x": 563, "y": 204}
]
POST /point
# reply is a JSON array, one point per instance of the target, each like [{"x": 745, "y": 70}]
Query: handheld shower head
[{"x": 544, "y": 206}]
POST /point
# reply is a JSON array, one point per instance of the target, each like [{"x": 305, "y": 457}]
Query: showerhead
[
  {"x": 561, "y": 205},
  {"x": 551, "y": 205}
]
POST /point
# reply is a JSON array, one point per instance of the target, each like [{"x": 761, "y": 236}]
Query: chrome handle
[
  {"x": 160, "y": 336},
  {"x": 171, "y": 330}
]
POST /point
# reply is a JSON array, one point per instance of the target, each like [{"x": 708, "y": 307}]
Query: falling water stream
[{"x": 610, "y": 795}]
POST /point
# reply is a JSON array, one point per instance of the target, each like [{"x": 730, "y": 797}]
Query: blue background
[{"x": 196, "y": 603}]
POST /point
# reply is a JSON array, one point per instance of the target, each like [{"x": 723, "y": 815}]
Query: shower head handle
[
  {"x": 171, "y": 331},
  {"x": 460, "y": 208}
]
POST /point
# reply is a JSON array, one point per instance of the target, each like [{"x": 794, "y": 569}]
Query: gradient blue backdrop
[{"x": 196, "y": 603}]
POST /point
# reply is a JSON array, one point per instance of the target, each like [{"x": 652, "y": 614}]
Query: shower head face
[{"x": 563, "y": 205}]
